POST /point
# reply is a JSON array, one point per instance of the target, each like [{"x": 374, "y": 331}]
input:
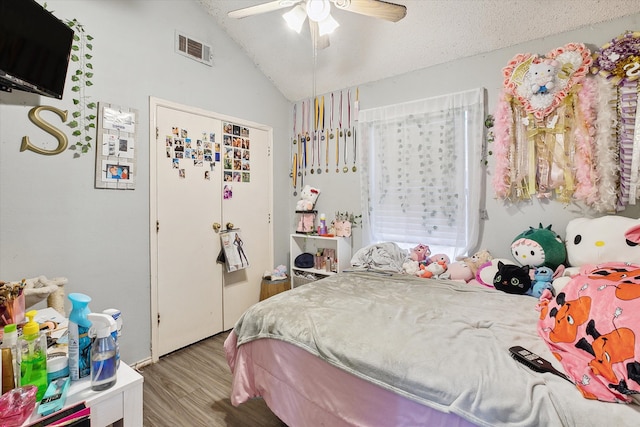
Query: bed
[{"x": 373, "y": 349}]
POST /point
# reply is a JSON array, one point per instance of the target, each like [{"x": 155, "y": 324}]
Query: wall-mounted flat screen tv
[{"x": 34, "y": 49}]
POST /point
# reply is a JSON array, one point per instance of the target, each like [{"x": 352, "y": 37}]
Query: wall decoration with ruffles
[
  {"x": 617, "y": 69},
  {"x": 544, "y": 128}
]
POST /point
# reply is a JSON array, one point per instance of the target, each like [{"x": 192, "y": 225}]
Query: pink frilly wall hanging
[
  {"x": 544, "y": 127},
  {"x": 617, "y": 67}
]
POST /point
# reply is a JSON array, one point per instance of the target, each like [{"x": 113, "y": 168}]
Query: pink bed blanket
[{"x": 591, "y": 328}]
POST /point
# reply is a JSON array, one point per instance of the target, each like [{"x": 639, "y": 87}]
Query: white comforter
[{"x": 443, "y": 344}]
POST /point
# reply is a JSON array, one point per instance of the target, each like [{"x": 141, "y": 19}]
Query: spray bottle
[
  {"x": 103, "y": 352},
  {"x": 116, "y": 331},
  {"x": 32, "y": 353},
  {"x": 79, "y": 340}
]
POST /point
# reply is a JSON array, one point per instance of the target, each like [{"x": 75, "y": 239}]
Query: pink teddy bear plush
[{"x": 420, "y": 253}]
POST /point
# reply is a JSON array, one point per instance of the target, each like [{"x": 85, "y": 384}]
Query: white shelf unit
[{"x": 301, "y": 243}]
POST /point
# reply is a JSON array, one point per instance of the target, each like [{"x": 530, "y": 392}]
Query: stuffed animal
[
  {"x": 512, "y": 279},
  {"x": 605, "y": 239},
  {"x": 542, "y": 75},
  {"x": 609, "y": 238},
  {"x": 458, "y": 271},
  {"x": 542, "y": 279},
  {"x": 420, "y": 253},
  {"x": 539, "y": 246},
  {"x": 440, "y": 258},
  {"x": 476, "y": 260},
  {"x": 411, "y": 267},
  {"x": 433, "y": 270},
  {"x": 309, "y": 196},
  {"x": 487, "y": 272}
]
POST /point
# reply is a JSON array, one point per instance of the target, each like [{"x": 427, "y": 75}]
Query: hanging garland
[
  {"x": 544, "y": 126},
  {"x": 617, "y": 64}
]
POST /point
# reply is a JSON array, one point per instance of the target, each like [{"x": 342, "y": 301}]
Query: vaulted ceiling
[{"x": 365, "y": 49}]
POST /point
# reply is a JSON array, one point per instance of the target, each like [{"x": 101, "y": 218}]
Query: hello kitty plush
[
  {"x": 610, "y": 238},
  {"x": 309, "y": 196},
  {"x": 542, "y": 75}
]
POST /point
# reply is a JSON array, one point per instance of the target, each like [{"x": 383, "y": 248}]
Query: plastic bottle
[
  {"x": 103, "y": 353},
  {"x": 116, "y": 331},
  {"x": 323, "y": 224},
  {"x": 9, "y": 357},
  {"x": 79, "y": 340},
  {"x": 32, "y": 353}
]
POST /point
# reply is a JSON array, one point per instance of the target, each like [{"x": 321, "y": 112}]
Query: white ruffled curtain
[{"x": 421, "y": 176}]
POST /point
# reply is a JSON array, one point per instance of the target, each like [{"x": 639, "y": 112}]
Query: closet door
[
  {"x": 189, "y": 281},
  {"x": 249, "y": 210},
  {"x": 194, "y": 296}
]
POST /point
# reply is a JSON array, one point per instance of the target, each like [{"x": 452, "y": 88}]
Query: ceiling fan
[{"x": 321, "y": 23}]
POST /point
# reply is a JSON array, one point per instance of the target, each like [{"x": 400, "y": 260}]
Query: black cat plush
[{"x": 512, "y": 279}]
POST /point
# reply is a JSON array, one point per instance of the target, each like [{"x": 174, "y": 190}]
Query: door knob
[
  {"x": 216, "y": 226},
  {"x": 230, "y": 226}
]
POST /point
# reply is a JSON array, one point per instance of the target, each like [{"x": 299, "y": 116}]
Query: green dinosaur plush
[{"x": 539, "y": 246}]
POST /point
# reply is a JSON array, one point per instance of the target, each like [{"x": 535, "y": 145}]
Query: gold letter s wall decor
[{"x": 34, "y": 116}]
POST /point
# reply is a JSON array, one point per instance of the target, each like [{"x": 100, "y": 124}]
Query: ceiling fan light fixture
[
  {"x": 318, "y": 10},
  {"x": 327, "y": 26},
  {"x": 295, "y": 18}
]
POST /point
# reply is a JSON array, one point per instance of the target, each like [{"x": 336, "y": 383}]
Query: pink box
[{"x": 12, "y": 311}]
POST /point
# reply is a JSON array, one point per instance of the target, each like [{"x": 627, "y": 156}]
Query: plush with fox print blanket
[{"x": 592, "y": 328}]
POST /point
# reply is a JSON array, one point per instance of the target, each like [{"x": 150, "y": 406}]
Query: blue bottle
[{"x": 79, "y": 340}]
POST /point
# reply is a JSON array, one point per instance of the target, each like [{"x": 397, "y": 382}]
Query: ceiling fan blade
[
  {"x": 318, "y": 41},
  {"x": 262, "y": 8},
  {"x": 374, "y": 8}
]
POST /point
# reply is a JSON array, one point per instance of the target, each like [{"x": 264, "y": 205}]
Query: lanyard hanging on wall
[
  {"x": 339, "y": 135},
  {"x": 345, "y": 169},
  {"x": 302, "y": 140},
  {"x": 326, "y": 158},
  {"x": 322, "y": 135},
  {"x": 294, "y": 156},
  {"x": 356, "y": 108},
  {"x": 314, "y": 138}
]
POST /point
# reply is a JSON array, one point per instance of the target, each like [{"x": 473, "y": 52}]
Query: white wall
[
  {"x": 52, "y": 220},
  {"x": 505, "y": 221}
]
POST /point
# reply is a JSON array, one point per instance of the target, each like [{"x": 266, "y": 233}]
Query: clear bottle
[
  {"x": 9, "y": 357},
  {"x": 79, "y": 340},
  {"x": 32, "y": 354},
  {"x": 103, "y": 353},
  {"x": 116, "y": 329}
]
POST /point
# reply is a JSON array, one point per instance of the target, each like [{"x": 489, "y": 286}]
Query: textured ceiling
[{"x": 365, "y": 49}]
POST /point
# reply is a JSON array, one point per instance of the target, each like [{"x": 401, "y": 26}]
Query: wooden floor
[{"x": 191, "y": 387}]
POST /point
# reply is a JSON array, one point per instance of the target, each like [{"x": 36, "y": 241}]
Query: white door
[{"x": 193, "y": 297}]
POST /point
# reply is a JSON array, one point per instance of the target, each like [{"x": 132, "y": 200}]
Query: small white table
[{"x": 120, "y": 405}]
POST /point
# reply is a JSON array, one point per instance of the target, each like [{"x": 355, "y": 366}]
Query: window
[{"x": 422, "y": 172}]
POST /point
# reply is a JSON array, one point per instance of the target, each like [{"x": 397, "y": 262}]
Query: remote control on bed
[{"x": 535, "y": 362}]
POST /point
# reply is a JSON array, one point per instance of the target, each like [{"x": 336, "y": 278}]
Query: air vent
[{"x": 193, "y": 49}]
